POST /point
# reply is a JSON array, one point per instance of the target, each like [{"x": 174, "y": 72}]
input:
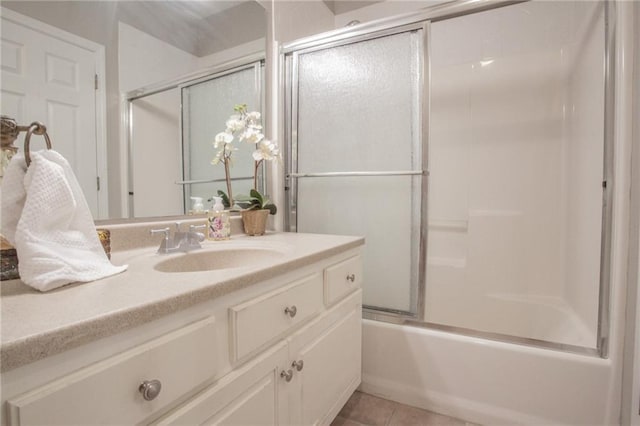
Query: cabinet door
[
  {"x": 330, "y": 352},
  {"x": 254, "y": 394}
]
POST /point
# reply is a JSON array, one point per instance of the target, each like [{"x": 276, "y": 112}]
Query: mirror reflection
[
  {"x": 197, "y": 109},
  {"x": 75, "y": 64}
]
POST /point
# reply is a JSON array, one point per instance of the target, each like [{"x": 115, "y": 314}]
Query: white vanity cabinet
[
  {"x": 306, "y": 377},
  {"x": 283, "y": 352}
]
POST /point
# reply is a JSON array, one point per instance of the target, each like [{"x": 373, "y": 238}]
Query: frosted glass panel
[
  {"x": 207, "y": 107},
  {"x": 516, "y": 161},
  {"x": 358, "y": 110}
]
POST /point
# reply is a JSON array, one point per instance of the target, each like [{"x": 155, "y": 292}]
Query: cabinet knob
[
  {"x": 287, "y": 375},
  {"x": 150, "y": 389},
  {"x": 298, "y": 365},
  {"x": 291, "y": 311},
  {"x": 351, "y": 277}
]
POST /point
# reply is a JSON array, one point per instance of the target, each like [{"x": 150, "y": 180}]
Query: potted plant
[
  {"x": 246, "y": 126},
  {"x": 255, "y": 210}
]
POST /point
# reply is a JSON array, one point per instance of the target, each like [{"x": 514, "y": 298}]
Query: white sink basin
[{"x": 211, "y": 260}]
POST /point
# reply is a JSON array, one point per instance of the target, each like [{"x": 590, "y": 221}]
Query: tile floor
[{"x": 367, "y": 410}]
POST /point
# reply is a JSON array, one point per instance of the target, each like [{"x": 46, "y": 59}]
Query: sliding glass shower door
[
  {"x": 509, "y": 239},
  {"x": 206, "y": 107},
  {"x": 356, "y": 157}
]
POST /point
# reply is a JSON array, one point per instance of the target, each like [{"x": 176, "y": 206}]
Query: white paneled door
[{"x": 49, "y": 76}]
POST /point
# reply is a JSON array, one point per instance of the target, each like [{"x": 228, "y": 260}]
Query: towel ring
[{"x": 39, "y": 129}]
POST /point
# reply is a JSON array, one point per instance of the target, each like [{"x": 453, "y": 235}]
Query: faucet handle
[
  {"x": 164, "y": 231},
  {"x": 192, "y": 228},
  {"x": 164, "y": 245}
]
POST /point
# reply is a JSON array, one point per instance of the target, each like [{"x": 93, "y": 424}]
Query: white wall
[
  {"x": 255, "y": 47},
  {"x": 145, "y": 60},
  {"x": 157, "y": 154},
  {"x": 297, "y": 19}
]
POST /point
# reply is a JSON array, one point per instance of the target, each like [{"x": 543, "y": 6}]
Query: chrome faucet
[{"x": 180, "y": 241}]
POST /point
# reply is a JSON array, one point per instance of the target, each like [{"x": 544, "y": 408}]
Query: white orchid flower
[
  {"x": 222, "y": 138},
  {"x": 235, "y": 123},
  {"x": 252, "y": 135},
  {"x": 253, "y": 116},
  {"x": 266, "y": 150}
]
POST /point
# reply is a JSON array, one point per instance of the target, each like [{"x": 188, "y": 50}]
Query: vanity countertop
[{"x": 36, "y": 325}]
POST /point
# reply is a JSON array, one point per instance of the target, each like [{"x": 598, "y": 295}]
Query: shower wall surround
[{"x": 516, "y": 170}]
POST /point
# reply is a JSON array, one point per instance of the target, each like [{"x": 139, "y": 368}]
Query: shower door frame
[
  {"x": 423, "y": 19},
  {"x": 292, "y": 174},
  {"x": 256, "y": 60}
]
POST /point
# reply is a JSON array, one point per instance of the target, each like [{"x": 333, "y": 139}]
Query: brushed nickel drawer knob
[
  {"x": 298, "y": 365},
  {"x": 351, "y": 277},
  {"x": 287, "y": 375},
  {"x": 291, "y": 311},
  {"x": 150, "y": 389}
]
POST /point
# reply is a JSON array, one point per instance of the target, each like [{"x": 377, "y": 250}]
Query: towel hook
[{"x": 39, "y": 129}]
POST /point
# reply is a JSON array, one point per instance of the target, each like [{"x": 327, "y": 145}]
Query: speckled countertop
[{"x": 36, "y": 325}]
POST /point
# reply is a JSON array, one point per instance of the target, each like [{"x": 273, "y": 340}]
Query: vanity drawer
[
  {"x": 108, "y": 392},
  {"x": 341, "y": 279},
  {"x": 258, "y": 321}
]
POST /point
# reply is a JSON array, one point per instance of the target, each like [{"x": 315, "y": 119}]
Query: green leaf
[
  {"x": 255, "y": 201},
  {"x": 225, "y": 198},
  {"x": 240, "y": 108},
  {"x": 254, "y": 193}
]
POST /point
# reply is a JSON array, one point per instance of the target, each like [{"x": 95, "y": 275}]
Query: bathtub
[
  {"x": 543, "y": 318},
  {"x": 484, "y": 381}
]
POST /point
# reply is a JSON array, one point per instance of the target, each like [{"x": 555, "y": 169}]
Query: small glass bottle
[
  {"x": 218, "y": 225},
  {"x": 196, "y": 205}
]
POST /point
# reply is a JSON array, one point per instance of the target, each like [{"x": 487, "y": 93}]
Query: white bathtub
[
  {"x": 549, "y": 319},
  {"x": 484, "y": 381}
]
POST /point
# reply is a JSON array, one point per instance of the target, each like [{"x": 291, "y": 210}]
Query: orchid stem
[
  {"x": 228, "y": 179},
  {"x": 255, "y": 174}
]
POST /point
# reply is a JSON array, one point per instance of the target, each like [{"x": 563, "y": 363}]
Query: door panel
[
  {"x": 356, "y": 108},
  {"x": 49, "y": 80}
]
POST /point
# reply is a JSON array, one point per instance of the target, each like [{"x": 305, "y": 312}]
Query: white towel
[{"x": 47, "y": 219}]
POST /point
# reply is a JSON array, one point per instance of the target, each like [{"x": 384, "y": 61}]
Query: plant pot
[{"x": 255, "y": 221}]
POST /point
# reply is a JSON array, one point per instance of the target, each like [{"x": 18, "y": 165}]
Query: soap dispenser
[
  {"x": 218, "y": 226},
  {"x": 196, "y": 205}
]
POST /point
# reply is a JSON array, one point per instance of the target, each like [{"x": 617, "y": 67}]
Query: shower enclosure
[
  {"x": 172, "y": 128},
  {"x": 472, "y": 150}
]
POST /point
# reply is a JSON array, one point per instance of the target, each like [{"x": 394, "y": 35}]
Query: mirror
[
  {"x": 138, "y": 45},
  {"x": 198, "y": 109}
]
